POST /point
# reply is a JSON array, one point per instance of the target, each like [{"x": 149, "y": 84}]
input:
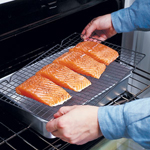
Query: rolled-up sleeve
[
  {"x": 135, "y": 17},
  {"x": 131, "y": 120}
]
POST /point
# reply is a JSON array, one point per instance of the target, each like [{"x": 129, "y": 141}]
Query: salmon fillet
[
  {"x": 43, "y": 90},
  {"x": 81, "y": 63},
  {"x": 65, "y": 77},
  {"x": 98, "y": 51}
]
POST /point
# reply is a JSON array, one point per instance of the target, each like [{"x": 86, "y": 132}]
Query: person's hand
[
  {"x": 100, "y": 28},
  {"x": 75, "y": 124}
]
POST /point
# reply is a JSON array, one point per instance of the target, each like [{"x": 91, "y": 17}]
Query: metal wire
[
  {"x": 114, "y": 73},
  {"x": 25, "y": 134},
  {"x": 29, "y": 138}
]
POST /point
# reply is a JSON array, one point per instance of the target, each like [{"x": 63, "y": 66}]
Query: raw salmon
[
  {"x": 43, "y": 90},
  {"x": 81, "y": 63},
  {"x": 64, "y": 77},
  {"x": 98, "y": 51}
]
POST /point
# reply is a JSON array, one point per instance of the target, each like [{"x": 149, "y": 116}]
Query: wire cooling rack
[
  {"x": 114, "y": 73},
  {"x": 17, "y": 132}
]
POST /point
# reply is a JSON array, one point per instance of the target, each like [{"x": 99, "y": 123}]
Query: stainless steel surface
[
  {"x": 111, "y": 94},
  {"x": 37, "y": 114},
  {"x": 138, "y": 41}
]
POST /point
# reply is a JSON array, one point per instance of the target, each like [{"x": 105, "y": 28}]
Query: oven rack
[
  {"x": 16, "y": 131},
  {"x": 114, "y": 73}
]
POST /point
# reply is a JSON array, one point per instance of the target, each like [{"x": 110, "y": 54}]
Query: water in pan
[{"x": 113, "y": 74}]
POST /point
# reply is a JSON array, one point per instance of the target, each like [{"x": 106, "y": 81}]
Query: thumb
[
  {"x": 89, "y": 31},
  {"x": 52, "y": 125},
  {"x": 64, "y": 110}
]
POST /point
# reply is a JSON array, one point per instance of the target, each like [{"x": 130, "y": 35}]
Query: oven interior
[{"x": 33, "y": 32}]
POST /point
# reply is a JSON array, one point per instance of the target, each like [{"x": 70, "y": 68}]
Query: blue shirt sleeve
[
  {"x": 130, "y": 120},
  {"x": 135, "y": 17}
]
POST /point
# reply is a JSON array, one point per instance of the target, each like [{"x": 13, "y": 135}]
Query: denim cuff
[{"x": 111, "y": 121}]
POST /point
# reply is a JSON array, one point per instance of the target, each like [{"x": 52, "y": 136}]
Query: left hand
[
  {"x": 100, "y": 28},
  {"x": 75, "y": 124}
]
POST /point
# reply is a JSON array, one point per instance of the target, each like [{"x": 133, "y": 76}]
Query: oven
[{"x": 34, "y": 32}]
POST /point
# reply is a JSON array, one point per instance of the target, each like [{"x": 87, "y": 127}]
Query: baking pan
[{"x": 36, "y": 114}]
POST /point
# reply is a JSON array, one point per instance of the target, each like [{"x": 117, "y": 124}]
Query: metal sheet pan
[{"x": 36, "y": 113}]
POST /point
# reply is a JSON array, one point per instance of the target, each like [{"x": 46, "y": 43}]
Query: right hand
[
  {"x": 100, "y": 28},
  {"x": 75, "y": 124}
]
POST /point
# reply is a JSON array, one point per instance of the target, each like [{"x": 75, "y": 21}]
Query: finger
[
  {"x": 82, "y": 139},
  {"x": 78, "y": 139},
  {"x": 63, "y": 110},
  {"x": 84, "y": 30},
  {"x": 100, "y": 38},
  {"x": 58, "y": 134},
  {"x": 89, "y": 31},
  {"x": 64, "y": 139},
  {"x": 83, "y": 33},
  {"x": 70, "y": 139},
  {"x": 86, "y": 33},
  {"x": 52, "y": 126}
]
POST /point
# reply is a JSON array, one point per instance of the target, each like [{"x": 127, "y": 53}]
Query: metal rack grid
[
  {"x": 13, "y": 131},
  {"x": 113, "y": 74}
]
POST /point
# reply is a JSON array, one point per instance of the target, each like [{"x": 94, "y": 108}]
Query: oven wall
[{"x": 139, "y": 42}]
